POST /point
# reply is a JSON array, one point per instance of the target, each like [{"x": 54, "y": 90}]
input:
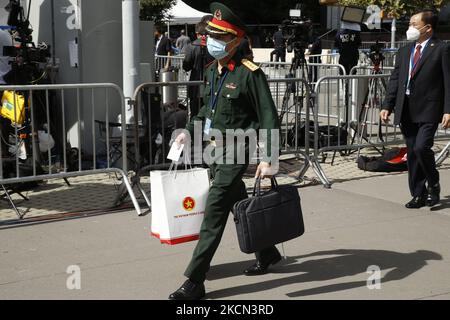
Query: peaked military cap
[{"x": 224, "y": 21}]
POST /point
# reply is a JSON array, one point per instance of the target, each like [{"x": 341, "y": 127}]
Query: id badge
[{"x": 207, "y": 126}]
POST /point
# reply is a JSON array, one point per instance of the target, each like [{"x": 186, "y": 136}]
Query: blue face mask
[{"x": 217, "y": 48}]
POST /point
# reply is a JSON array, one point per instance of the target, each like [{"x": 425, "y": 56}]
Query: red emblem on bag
[{"x": 188, "y": 204}]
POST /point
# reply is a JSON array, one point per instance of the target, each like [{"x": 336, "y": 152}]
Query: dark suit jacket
[
  {"x": 195, "y": 60},
  {"x": 164, "y": 47},
  {"x": 429, "y": 87}
]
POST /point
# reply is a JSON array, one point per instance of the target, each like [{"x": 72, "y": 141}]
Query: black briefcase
[{"x": 269, "y": 218}]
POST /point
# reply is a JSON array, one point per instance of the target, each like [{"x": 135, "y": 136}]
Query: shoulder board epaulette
[{"x": 250, "y": 65}]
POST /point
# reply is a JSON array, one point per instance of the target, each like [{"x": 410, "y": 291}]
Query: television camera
[
  {"x": 297, "y": 30},
  {"x": 375, "y": 54},
  {"x": 26, "y": 66}
]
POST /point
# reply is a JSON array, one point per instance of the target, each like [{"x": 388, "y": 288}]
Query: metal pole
[
  {"x": 130, "y": 41},
  {"x": 168, "y": 30},
  {"x": 393, "y": 31}
]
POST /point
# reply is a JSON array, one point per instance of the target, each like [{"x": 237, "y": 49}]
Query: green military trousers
[{"x": 227, "y": 189}]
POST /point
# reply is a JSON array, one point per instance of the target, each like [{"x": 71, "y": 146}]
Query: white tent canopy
[{"x": 182, "y": 14}]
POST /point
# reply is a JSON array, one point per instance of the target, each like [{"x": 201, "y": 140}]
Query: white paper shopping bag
[{"x": 178, "y": 204}]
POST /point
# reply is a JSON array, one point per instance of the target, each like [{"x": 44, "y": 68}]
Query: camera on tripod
[
  {"x": 27, "y": 56},
  {"x": 297, "y": 30},
  {"x": 375, "y": 54}
]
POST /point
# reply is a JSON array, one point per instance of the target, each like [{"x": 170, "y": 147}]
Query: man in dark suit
[
  {"x": 195, "y": 61},
  {"x": 163, "y": 45},
  {"x": 419, "y": 93}
]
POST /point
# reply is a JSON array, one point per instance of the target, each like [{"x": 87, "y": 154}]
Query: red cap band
[{"x": 225, "y": 26}]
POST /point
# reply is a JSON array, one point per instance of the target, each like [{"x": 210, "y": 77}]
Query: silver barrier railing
[
  {"x": 282, "y": 70},
  {"x": 346, "y": 115},
  {"x": 275, "y": 70},
  {"x": 384, "y": 44},
  {"x": 325, "y": 58},
  {"x": 361, "y": 116},
  {"x": 368, "y": 44},
  {"x": 83, "y": 111},
  {"x": 295, "y": 102},
  {"x": 369, "y": 69},
  {"x": 172, "y": 62},
  {"x": 358, "y": 114}
]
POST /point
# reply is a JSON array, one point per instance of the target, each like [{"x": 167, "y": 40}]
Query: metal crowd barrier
[
  {"x": 85, "y": 112},
  {"x": 275, "y": 70},
  {"x": 361, "y": 117},
  {"x": 369, "y": 44},
  {"x": 354, "y": 123},
  {"x": 351, "y": 124},
  {"x": 281, "y": 70},
  {"x": 368, "y": 70},
  {"x": 384, "y": 44},
  {"x": 172, "y": 62},
  {"x": 326, "y": 58}
]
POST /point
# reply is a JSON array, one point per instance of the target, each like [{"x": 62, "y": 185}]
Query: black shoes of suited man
[
  {"x": 430, "y": 199},
  {"x": 261, "y": 267}
]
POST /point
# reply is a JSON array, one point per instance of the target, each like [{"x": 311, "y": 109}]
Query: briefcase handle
[{"x": 257, "y": 186}]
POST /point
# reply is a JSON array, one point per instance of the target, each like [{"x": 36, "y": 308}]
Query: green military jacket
[{"x": 244, "y": 101}]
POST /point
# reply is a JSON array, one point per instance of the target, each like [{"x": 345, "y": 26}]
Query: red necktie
[{"x": 416, "y": 60}]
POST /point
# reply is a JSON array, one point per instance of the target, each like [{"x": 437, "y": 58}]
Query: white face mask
[
  {"x": 413, "y": 33},
  {"x": 217, "y": 48}
]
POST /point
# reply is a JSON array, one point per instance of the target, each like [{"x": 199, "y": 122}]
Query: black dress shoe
[
  {"x": 416, "y": 202},
  {"x": 261, "y": 268},
  {"x": 189, "y": 291},
  {"x": 433, "y": 195}
]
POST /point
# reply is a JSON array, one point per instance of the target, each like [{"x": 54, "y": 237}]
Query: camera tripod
[
  {"x": 298, "y": 66},
  {"x": 370, "y": 106},
  {"x": 299, "y": 95}
]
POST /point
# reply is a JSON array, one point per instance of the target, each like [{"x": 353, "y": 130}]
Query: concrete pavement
[{"x": 354, "y": 225}]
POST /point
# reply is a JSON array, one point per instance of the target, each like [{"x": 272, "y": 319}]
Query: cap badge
[{"x": 218, "y": 14}]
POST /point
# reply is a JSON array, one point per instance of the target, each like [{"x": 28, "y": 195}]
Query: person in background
[
  {"x": 163, "y": 45},
  {"x": 347, "y": 42},
  {"x": 182, "y": 42},
  {"x": 419, "y": 93},
  {"x": 163, "y": 48},
  {"x": 195, "y": 60},
  {"x": 279, "y": 46}
]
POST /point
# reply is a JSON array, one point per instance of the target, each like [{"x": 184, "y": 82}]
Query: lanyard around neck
[{"x": 214, "y": 95}]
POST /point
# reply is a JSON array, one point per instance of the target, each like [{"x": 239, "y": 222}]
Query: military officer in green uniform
[{"x": 236, "y": 96}]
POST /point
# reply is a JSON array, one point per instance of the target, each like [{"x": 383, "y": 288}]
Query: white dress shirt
[{"x": 423, "y": 46}]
